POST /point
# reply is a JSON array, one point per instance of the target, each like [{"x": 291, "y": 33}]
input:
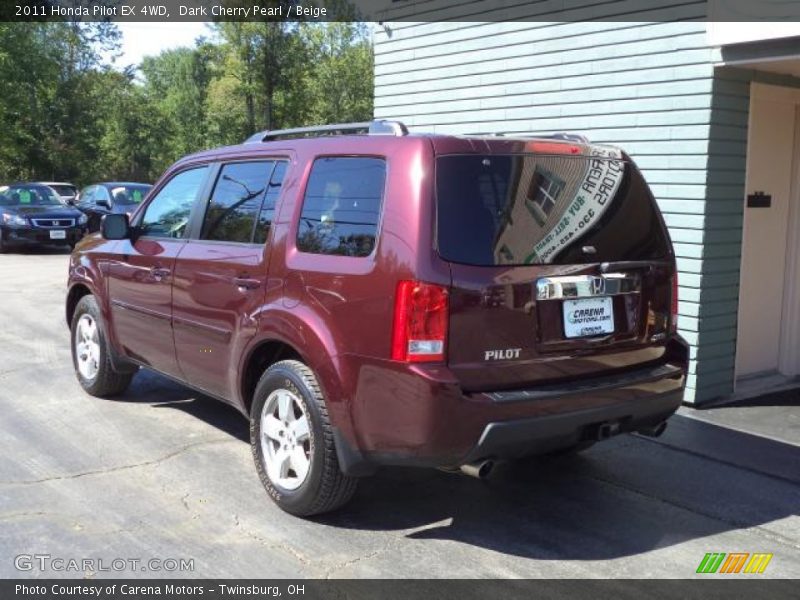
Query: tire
[
  {"x": 91, "y": 354},
  {"x": 287, "y": 392},
  {"x": 4, "y": 247}
]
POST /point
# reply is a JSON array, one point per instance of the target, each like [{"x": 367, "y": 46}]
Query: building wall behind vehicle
[{"x": 650, "y": 87}]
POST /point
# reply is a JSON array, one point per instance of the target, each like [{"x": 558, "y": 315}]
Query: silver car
[{"x": 65, "y": 192}]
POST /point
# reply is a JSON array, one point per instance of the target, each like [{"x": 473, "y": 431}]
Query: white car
[{"x": 65, "y": 192}]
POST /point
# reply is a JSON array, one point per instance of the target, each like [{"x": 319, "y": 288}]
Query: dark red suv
[{"x": 369, "y": 297}]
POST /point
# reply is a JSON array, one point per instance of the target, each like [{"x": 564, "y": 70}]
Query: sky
[{"x": 148, "y": 39}]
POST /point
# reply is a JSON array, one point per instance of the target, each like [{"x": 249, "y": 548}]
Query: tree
[
  {"x": 240, "y": 49},
  {"x": 292, "y": 75},
  {"x": 132, "y": 145},
  {"x": 339, "y": 82},
  {"x": 67, "y": 114},
  {"x": 176, "y": 84},
  {"x": 46, "y": 72}
]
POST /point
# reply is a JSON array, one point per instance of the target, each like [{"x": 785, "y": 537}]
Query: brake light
[
  {"x": 674, "y": 303},
  {"x": 538, "y": 147},
  {"x": 419, "y": 331}
]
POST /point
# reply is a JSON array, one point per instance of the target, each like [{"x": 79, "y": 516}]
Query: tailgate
[{"x": 561, "y": 267}]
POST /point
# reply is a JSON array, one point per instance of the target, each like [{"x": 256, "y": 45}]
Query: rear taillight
[
  {"x": 674, "y": 304},
  {"x": 419, "y": 332}
]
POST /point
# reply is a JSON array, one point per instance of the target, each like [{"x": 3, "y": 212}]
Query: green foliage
[
  {"x": 68, "y": 115},
  {"x": 338, "y": 79}
]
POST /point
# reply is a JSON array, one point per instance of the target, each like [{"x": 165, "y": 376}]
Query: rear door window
[
  {"x": 267, "y": 213},
  {"x": 545, "y": 209},
  {"x": 342, "y": 206},
  {"x": 236, "y": 201}
]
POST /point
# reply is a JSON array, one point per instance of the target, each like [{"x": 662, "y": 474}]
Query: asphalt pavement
[{"x": 165, "y": 473}]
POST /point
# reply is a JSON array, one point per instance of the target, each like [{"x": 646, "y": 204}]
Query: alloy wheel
[
  {"x": 285, "y": 439},
  {"x": 87, "y": 347}
]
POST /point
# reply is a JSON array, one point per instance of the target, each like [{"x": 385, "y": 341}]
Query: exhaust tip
[
  {"x": 606, "y": 430},
  {"x": 655, "y": 430},
  {"x": 479, "y": 469}
]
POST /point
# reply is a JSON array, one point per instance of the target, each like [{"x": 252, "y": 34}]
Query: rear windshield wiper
[{"x": 627, "y": 265}]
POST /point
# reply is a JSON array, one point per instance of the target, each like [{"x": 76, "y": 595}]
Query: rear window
[{"x": 544, "y": 209}]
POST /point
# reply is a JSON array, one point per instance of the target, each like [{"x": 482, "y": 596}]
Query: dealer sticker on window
[{"x": 588, "y": 316}]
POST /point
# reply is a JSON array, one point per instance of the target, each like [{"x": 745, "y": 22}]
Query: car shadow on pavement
[
  {"x": 622, "y": 497},
  {"x": 160, "y": 392}
]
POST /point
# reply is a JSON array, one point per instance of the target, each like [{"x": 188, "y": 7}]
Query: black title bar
[
  {"x": 711, "y": 588},
  {"x": 399, "y": 10}
]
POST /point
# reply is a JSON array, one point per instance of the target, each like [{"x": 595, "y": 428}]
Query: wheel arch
[
  {"x": 304, "y": 335},
  {"x": 79, "y": 290},
  {"x": 263, "y": 353},
  {"x": 74, "y": 295}
]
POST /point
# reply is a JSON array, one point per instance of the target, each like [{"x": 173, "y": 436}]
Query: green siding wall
[
  {"x": 648, "y": 87},
  {"x": 716, "y": 269}
]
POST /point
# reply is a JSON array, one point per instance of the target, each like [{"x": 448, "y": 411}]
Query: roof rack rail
[
  {"x": 376, "y": 127},
  {"x": 570, "y": 137}
]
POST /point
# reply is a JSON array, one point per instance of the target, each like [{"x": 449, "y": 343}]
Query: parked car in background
[
  {"x": 380, "y": 298},
  {"x": 117, "y": 197},
  {"x": 32, "y": 214},
  {"x": 65, "y": 192}
]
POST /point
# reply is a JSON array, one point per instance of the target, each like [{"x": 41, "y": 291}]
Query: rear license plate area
[{"x": 587, "y": 317}]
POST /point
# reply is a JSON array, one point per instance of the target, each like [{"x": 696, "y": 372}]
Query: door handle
[
  {"x": 246, "y": 283},
  {"x": 159, "y": 273}
]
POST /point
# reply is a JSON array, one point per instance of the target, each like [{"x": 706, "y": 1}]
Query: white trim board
[
  {"x": 789, "y": 363},
  {"x": 789, "y": 343}
]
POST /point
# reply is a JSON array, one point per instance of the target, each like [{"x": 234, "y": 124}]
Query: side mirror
[
  {"x": 103, "y": 203},
  {"x": 115, "y": 227}
]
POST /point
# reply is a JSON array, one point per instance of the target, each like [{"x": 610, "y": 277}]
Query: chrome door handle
[{"x": 246, "y": 283}]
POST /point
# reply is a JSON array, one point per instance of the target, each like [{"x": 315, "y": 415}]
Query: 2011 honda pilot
[{"x": 369, "y": 297}]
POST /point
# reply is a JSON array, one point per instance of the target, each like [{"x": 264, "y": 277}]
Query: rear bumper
[
  {"x": 520, "y": 437},
  {"x": 421, "y": 418}
]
